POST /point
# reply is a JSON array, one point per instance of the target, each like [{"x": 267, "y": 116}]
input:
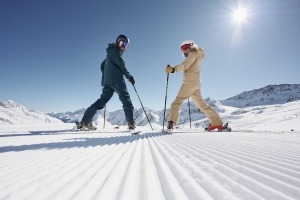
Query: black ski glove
[{"x": 131, "y": 80}]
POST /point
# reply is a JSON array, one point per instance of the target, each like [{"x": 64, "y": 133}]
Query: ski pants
[
  {"x": 193, "y": 90},
  {"x": 107, "y": 93}
]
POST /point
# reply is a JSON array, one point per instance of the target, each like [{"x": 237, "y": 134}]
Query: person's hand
[
  {"x": 169, "y": 69},
  {"x": 131, "y": 80}
]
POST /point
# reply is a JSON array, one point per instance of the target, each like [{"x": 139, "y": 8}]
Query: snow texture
[
  {"x": 50, "y": 162},
  {"x": 260, "y": 159}
]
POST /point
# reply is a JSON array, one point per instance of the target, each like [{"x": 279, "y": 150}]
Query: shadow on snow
[
  {"x": 54, "y": 132},
  {"x": 81, "y": 143}
]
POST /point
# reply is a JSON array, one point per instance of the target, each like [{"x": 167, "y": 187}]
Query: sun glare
[{"x": 239, "y": 15}]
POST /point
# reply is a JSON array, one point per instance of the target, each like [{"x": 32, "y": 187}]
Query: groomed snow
[{"x": 48, "y": 162}]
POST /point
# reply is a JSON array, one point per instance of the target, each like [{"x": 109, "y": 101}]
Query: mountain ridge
[
  {"x": 268, "y": 95},
  {"x": 14, "y": 113}
]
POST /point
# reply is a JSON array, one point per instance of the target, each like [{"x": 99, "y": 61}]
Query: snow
[
  {"x": 268, "y": 95},
  {"x": 13, "y": 113},
  {"x": 47, "y": 161},
  {"x": 260, "y": 159},
  {"x": 259, "y": 113}
]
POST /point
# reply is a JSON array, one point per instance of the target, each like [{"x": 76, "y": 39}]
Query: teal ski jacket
[{"x": 113, "y": 67}]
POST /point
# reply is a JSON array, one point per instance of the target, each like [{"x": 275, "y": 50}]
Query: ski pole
[
  {"x": 142, "y": 106},
  {"x": 165, "y": 101},
  {"x": 104, "y": 117},
  {"x": 189, "y": 113}
]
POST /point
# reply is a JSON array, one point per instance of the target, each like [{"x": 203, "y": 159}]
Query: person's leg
[
  {"x": 211, "y": 114},
  {"x": 106, "y": 95},
  {"x": 185, "y": 92},
  {"x": 124, "y": 97}
]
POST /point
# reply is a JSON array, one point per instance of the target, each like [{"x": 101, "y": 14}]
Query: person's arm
[
  {"x": 121, "y": 64},
  {"x": 186, "y": 63}
]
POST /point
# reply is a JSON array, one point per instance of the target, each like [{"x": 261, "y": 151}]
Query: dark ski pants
[{"x": 107, "y": 93}]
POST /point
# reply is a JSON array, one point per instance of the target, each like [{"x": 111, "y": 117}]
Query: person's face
[
  {"x": 122, "y": 49},
  {"x": 186, "y": 52},
  {"x": 123, "y": 46},
  {"x": 185, "y": 49}
]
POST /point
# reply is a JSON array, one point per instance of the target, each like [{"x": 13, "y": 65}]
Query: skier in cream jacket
[{"x": 191, "y": 86}]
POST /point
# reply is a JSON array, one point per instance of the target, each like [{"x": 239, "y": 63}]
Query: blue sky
[{"x": 50, "y": 51}]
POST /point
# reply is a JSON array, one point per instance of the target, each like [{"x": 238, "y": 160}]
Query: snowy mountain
[
  {"x": 269, "y": 95},
  {"x": 246, "y": 102},
  {"x": 118, "y": 117},
  {"x": 13, "y": 113},
  {"x": 115, "y": 118},
  {"x": 69, "y": 117}
]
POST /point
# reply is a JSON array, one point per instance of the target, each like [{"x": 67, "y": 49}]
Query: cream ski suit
[{"x": 191, "y": 87}]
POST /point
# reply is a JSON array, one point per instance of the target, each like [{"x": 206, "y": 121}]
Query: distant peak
[
  {"x": 8, "y": 104},
  {"x": 265, "y": 91}
]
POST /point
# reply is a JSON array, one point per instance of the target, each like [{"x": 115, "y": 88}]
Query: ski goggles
[
  {"x": 185, "y": 47},
  {"x": 123, "y": 44}
]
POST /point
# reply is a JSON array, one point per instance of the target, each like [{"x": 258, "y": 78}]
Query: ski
[
  {"x": 220, "y": 130},
  {"x": 169, "y": 131},
  {"x": 135, "y": 132},
  {"x": 77, "y": 128}
]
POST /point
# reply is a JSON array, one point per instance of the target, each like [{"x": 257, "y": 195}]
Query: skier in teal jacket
[{"x": 113, "y": 71}]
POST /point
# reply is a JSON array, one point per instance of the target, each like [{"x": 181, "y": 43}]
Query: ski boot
[
  {"x": 87, "y": 126},
  {"x": 131, "y": 125},
  {"x": 211, "y": 128},
  {"x": 77, "y": 127},
  {"x": 170, "y": 127}
]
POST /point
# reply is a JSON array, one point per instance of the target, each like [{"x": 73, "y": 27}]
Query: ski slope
[{"x": 41, "y": 162}]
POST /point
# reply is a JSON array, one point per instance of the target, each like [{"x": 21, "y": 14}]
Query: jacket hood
[
  {"x": 199, "y": 51},
  {"x": 112, "y": 46}
]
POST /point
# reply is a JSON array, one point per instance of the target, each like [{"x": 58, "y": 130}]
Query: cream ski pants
[{"x": 193, "y": 90}]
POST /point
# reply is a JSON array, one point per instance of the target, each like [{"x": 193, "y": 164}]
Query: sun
[{"x": 239, "y": 15}]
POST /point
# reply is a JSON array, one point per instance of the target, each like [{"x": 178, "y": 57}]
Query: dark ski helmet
[{"x": 122, "y": 38}]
